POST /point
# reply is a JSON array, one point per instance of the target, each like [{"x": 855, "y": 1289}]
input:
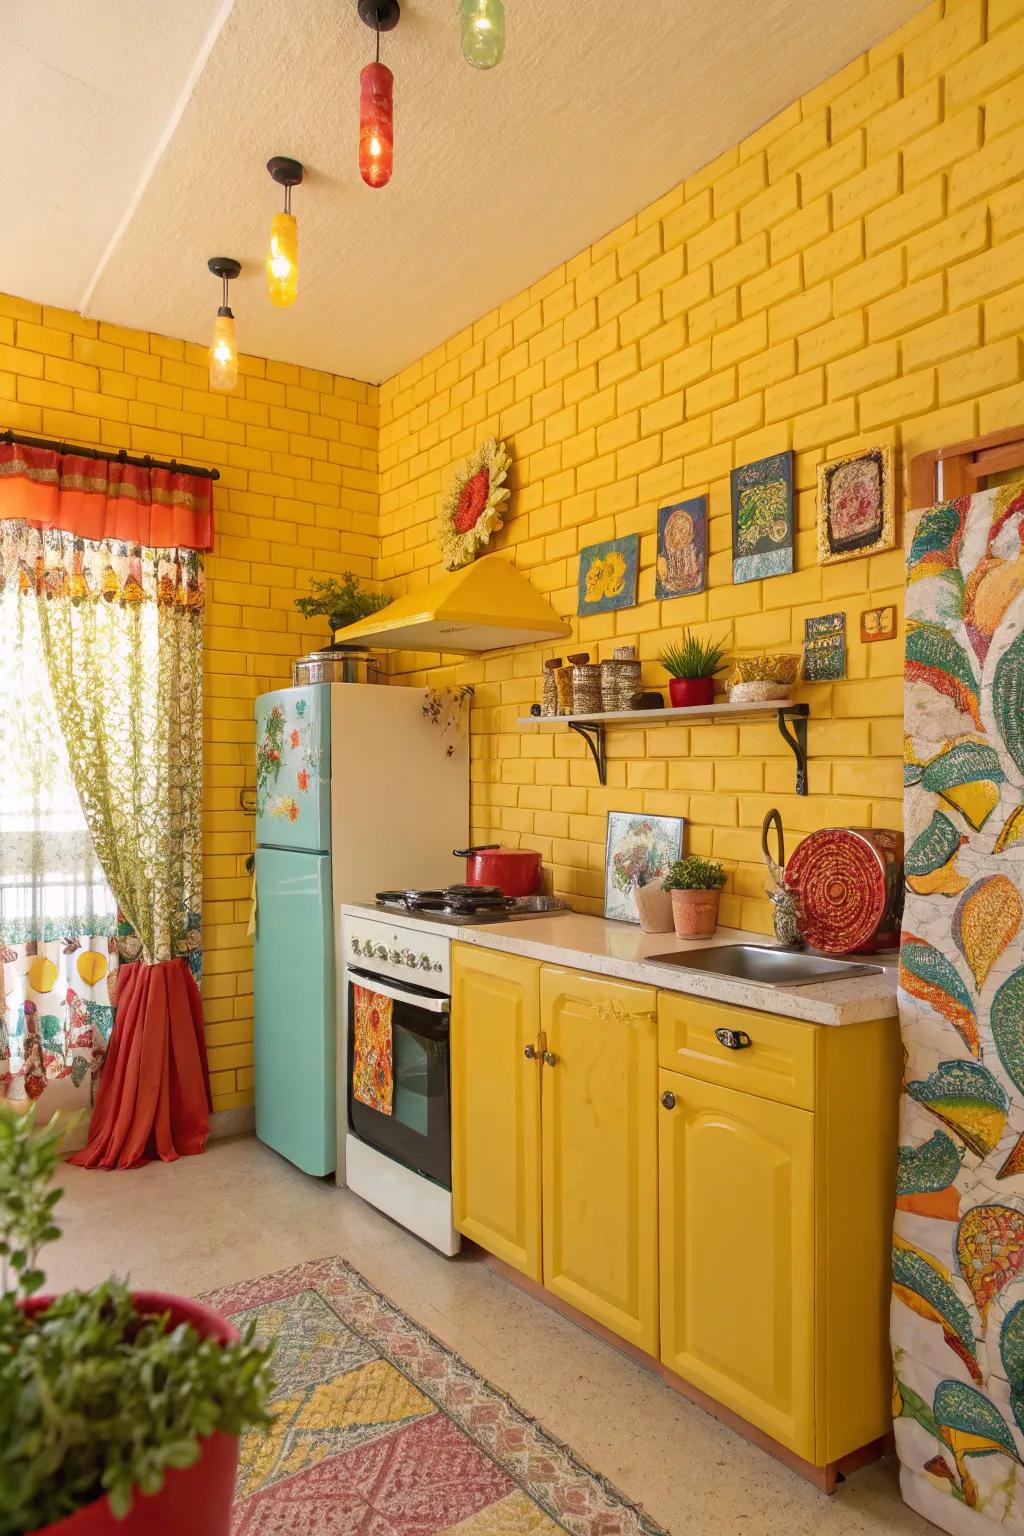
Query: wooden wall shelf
[{"x": 592, "y": 728}]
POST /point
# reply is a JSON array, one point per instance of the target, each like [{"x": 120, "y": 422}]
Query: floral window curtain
[
  {"x": 118, "y": 612},
  {"x": 57, "y": 913}
]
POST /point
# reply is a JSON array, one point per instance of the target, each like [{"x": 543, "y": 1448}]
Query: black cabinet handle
[
  {"x": 733, "y": 1039},
  {"x": 669, "y": 1100}
]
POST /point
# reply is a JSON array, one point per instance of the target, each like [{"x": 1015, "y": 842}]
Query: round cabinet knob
[
  {"x": 530, "y": 1052},
  {"x": 550, "y": 1059},
  {"x": 669, "y": 1100}
]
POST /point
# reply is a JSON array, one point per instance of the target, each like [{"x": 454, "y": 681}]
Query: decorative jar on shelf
[
  {"x": 549, "y": 690},
  {"x": 586, "y": 685}
]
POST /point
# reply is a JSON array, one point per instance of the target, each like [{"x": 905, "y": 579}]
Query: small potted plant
[
  {"x": 696, "y": 885},
  {"x": 692, "y": 667},
  {"x": 341, "y": 602},
  {"x": 120, "y": 1410}
]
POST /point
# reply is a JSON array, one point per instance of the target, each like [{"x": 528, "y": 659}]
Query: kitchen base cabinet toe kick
[{"x": 711, "y": 1185}]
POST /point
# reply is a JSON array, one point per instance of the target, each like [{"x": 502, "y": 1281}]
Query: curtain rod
[{"x": 112, "y": 455}]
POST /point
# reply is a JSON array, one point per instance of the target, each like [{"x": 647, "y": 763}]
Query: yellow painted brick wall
[
  {"x": 297, "y": 455},
  {"x": 852, "y": 273}
]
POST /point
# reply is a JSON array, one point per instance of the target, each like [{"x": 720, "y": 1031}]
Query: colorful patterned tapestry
[
  {"x": 380, "y": 1429},
  {"x": 958, "y": 1259}
]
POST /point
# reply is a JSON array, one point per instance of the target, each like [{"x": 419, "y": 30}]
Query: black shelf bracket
[
  {"x": 593, "y": 735},
  {"x": 796, "y": 739}
]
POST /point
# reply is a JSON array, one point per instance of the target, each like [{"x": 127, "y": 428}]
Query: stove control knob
[
  {"x": 408, "y": 958},
  {"x": 395, "y": 956},
  {"x": 425, "y": 962},
  {"x": 380, "y": 953},
  {"x": 437, "y": 965},
  {"x": 356, "y": 946}
]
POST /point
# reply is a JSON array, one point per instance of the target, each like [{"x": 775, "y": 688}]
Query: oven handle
[{"x": 398, "y": 995}]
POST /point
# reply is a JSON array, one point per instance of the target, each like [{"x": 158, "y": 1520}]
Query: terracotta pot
[
  {"x": 695, "y": 913},
  {"x": 685, "y": 691},
  {"x": 196, "y": 1499},
  {"x": 654, "y": 906}
]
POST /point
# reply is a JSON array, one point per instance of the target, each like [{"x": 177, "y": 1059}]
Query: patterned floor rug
[{"x": 382, "y": 1431}]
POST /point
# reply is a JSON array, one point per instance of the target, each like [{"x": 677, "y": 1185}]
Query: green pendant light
[{"x": 483, "y": 32}]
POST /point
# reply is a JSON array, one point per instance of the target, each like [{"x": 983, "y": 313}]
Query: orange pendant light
[
  {"x": 376, "y": 93},
  {"x": 224, "y": 345},
  {"x": 283, "y": 255}
]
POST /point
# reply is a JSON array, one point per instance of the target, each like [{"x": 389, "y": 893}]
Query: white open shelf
[
  {"x": 593, "y": 727},
  {"x": 660, "y": 716}
]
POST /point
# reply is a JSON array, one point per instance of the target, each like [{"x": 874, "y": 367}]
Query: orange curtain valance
[{"x": 104, "y": 499}]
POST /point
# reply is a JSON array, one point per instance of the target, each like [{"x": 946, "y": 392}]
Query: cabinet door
[
  {"x": 496, "y": 1104},
  {"x": 600, "y": 1150},
  {"x": 737, "y": 1308}
]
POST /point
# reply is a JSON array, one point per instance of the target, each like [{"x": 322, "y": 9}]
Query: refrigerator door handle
[{"x": 398, "y": 994}]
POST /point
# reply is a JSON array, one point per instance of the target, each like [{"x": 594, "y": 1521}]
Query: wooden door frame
[{"x": 962, "y": 468}]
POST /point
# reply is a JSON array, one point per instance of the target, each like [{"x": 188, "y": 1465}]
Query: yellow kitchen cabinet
[
  {"x": 737, "y": 1253},
  {"x": 495, "y": 1096},
  {"x": 599, "y": 1135},
  {"x": 777, "y": 1153}
]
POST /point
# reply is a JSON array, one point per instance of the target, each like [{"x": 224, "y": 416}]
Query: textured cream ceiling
[{"x": 138, "y": 134}]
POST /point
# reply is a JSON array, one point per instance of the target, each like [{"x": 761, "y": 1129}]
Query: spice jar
[
  {"x": 563, "y": 688},
  {"x": 620, "y": 679},
  {"x": 586, "y": 685},
  {"x": 549, "y": 690}
]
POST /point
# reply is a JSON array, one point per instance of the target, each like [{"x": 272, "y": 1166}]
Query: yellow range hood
[{"x": 482, "y": 607}]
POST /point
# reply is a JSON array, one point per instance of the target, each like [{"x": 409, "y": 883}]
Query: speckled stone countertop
[{"x": 623, "y": 950}]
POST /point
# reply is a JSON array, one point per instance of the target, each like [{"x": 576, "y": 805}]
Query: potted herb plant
[
  {"x": 120, "y": 1410},
  {"x": 692, "y": 667},
  {"x": 696, "y": 885},
  {"x": 340, "y": 602}
]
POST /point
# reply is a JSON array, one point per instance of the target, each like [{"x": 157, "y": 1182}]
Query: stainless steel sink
[{"x": 765, "y": 965}]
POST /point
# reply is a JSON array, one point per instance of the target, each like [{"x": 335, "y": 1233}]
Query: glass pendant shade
[
  {"x": 483, "y": 32},
  {"x": 224, "y": 351},
  {"x": 283, "y": 260},
  {"x": 376, "y": 127}
]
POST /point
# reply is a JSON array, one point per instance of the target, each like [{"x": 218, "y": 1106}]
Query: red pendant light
[{"x": 376, "y": 88}]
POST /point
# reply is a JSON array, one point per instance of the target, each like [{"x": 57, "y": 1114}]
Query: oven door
[{"x": 418, "y": 1130}]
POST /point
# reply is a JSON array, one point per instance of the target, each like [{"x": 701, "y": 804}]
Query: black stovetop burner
[{"x": 451, "y": 901}]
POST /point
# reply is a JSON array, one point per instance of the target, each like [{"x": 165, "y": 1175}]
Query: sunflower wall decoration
[{"x": 471, "y": 510}]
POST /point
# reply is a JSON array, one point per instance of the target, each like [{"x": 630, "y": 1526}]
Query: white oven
[{"x": 396, "y": 1151}]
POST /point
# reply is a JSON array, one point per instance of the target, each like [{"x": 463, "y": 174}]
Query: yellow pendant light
[
  {"x": 283, "y": 255},
  {"x": 224, "y": 346}
]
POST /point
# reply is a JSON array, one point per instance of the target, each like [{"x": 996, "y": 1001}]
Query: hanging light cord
[
  {"x": 377, "y": 14},
  {"x": 225, "y": 279},
  {"x": 287, "y": 198}
]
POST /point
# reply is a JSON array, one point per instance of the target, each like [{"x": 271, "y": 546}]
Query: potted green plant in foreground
[
  {"x": 120, "y": 1410},
  {"x": 341, "y": 602},
  {"x": 692, "y": 667},
  {"x": 696, "y": 885}
]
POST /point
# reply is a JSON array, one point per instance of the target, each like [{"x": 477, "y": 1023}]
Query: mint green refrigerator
[{"x": 358, "y": 789}]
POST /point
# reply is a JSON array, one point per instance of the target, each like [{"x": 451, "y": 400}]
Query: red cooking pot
[{"x": 515, "y": 871}]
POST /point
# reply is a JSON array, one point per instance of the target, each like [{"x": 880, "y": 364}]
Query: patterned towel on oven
[{"x": 372, "y": 1074}]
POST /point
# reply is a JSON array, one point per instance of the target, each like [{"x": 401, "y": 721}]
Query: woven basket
[
  {"x": 767, "y": 669},
  {"x": 757, "y": 693}
]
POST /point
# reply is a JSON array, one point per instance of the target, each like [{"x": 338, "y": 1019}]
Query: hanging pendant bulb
[
  {"x": 224, "y": 346},
  {"x": 376, "y": 100},
  {"x": 283, "y": 255},
  {"x": 483, "y": 32}
]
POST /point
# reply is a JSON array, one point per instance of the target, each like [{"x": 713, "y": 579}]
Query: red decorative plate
[{"x": 846, "y": 885}]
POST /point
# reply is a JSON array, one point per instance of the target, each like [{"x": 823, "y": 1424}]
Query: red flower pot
[
  {"x": 195, "y": 1499},
  {"x": 684, "y": 691}
]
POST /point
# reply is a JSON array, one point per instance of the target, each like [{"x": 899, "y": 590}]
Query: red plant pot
[
  {"x": 196, "y": 1499},
  {"x": 684, "y": 691}
]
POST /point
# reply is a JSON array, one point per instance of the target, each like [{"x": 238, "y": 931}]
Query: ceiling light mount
[
  {"x": 381, "y": 15},
  {"x": 285, "y": 171},
  {"x": 226, "y": 268}
]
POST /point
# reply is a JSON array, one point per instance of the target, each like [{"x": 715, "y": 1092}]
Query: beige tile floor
[{"x": 241, "y": 1211}]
